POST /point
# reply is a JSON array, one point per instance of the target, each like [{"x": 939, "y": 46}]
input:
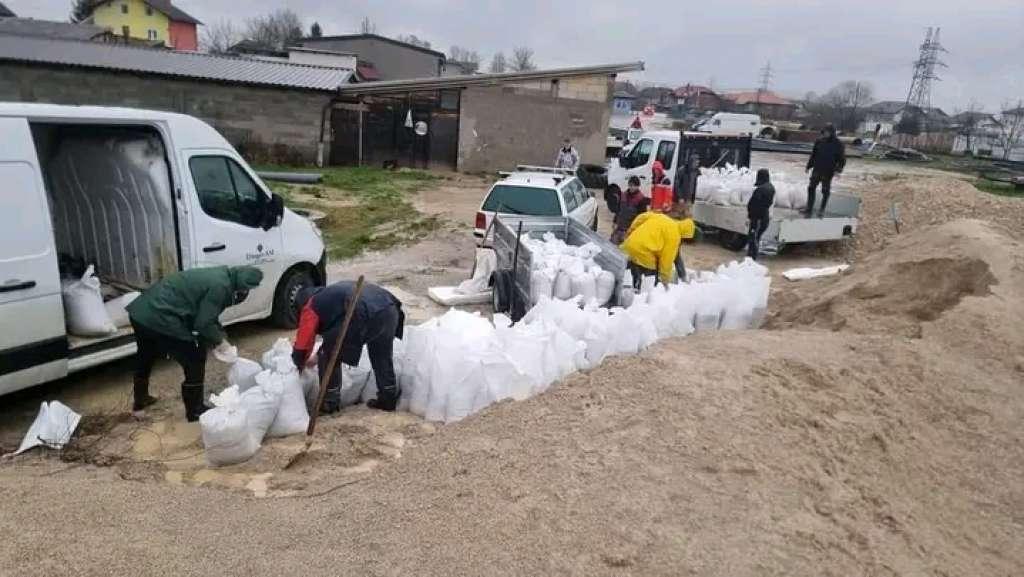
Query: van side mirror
[{"x": 273, "y": 211}]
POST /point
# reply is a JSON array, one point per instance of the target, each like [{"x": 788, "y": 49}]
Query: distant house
[
  {"x": 459, "y": 68},
  {"x": 622, "y": 102},
  {"x": 659, "y": 97},
  {"x": 52, "y": 29},
  {"x": 698, "y": 98},
  {"x": 763, "y": 102},
  {"x": 155, "y": 21},
  {"x": 883, "y": 117},
  {"x": 389, "y": 59}
]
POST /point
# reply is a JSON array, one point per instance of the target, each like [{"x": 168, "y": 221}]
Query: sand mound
[
  {"x": 926, "y": 201},
  {"x": 917, "y": 279}
]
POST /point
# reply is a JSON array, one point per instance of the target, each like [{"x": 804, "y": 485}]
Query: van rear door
[
  {"x": 33, "y": 342},
  {"x": 228, "y": 224}
]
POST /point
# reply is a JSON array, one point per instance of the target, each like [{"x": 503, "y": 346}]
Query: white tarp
[{"x": 804, "y": 273}]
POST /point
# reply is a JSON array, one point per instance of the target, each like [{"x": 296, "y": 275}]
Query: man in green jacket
[{"x": 177, "y": 317}]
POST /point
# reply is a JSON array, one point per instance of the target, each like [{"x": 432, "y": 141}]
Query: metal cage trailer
[{"x": 512, "y": 276}]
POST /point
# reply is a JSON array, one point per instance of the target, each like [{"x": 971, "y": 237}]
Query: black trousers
[
  {"x": 153, "y": 345},
  {"x": 823, "y": 178},
  {"x": 639, "y": 272},
  {"x": 757, "y": 228},
  {"x": 380, "y": 344}
]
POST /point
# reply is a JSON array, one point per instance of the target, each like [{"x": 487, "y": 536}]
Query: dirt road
[{"x": 874, "y": 429}]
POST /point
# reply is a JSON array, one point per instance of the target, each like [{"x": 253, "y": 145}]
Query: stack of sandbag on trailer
[
  {"x": 732, "y": 186},
  {"x": 564, "y": 272}
]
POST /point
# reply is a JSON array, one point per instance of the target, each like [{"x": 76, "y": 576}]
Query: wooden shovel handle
[{"x": 351, "y": 308}]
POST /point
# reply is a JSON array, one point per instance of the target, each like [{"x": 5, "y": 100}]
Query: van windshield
[{"x": 528, "y": 200}]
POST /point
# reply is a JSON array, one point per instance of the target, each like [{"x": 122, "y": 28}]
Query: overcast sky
[{"x": 811, "y": 44}]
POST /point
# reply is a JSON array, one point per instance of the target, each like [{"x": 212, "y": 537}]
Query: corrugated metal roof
[
  {"x": 437, "y": 82},
  {"x": 49, "y": 28},
  {"x": 171, "y": 63}
]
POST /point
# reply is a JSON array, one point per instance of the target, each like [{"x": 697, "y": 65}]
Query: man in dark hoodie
[
  {"x": 758, "y": 208},
  {"x": 178, "y": 317},
  {"x": 631, "y": 203},
  {"x": 377, "y": 321},
  {"x": 828, "y": 158}
]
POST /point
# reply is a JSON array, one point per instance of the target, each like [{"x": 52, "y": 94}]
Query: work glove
[{"x": 225, "y": 352}]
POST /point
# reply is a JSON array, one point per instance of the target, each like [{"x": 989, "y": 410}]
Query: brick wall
[
  {"x": 272, "y": 116},
  {"x": 525, "y": 123}
]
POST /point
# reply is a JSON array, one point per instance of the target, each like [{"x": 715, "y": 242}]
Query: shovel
[{"x": 333, "y": 362}]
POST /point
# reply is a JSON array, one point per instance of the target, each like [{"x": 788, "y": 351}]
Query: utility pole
[
  {"x": 765, "y": 83},
  {"x": 920, "y": 94}
]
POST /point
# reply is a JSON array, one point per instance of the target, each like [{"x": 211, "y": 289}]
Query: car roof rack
[{"x": 550, "y": 169}]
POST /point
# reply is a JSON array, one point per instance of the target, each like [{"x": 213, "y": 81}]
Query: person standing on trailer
[
  {"x": 686, "y": 179},
  {"x": 653, "y": 241},
  {"x": 178, "y": 317},
  {"x": 758, "y": 209},
  {"x": 828, "y": 158},
  {"x": 567, "y": 156},
  {"x": 377, "y": 321}
]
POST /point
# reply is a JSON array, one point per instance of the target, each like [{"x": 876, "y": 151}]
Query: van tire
[{"x": 286, "y": 314}]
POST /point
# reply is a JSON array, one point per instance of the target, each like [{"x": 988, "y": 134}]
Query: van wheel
[{"x": 286, "y": 314}]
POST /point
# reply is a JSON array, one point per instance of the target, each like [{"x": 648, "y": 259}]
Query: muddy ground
[{"x": 872, "y": 428}]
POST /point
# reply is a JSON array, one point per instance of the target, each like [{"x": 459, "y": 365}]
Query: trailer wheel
[
  {"x": 502, "y": 292},
  {"x": 733, "y": 241}
]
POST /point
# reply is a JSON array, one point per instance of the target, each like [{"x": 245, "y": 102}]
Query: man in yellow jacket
[{"x": 652, "y": 243}]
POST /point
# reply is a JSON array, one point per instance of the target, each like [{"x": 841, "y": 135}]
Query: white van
[
  {"x": 730, "y": 123},
  {"x": 138, "y": 194}
]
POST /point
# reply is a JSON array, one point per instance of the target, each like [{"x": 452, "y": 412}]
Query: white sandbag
[
  {"x": 117, "y": 308},
  {"x": 52, "y": 427},
  {"x": 804, "y": 273},
  {"x": 585, "y": 287},
  {"x": 542, "y": 284},
  {"x": 709, "y": 307},
  {"x": 292, "y": 418},
  {"x": 226, "y": 398},
  {"x": 242, "y": 373},
  {"x": 227, "y": 436},
  {"x": 486, "y": 263},
  {"x": 563, "y": 286},
  {"x": 282, "y": 348},
  {"x": 84, "y": 312},
  {"x": 605, "y": 287},
  {"x": 798, "y": 199},
  {"x": 261, "y": 404},
  {"x": 737, "y": 307},
  {"x": 782, "y": 199}
]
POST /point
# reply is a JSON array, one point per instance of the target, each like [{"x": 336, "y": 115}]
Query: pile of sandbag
[
  {"x": 454, "y": 365},
  {"x": 563, "y": 271},
  {"x": 259, "y": 402},
  {"x": 85, "y": 312},
  {"x": 732, "y": 186}
]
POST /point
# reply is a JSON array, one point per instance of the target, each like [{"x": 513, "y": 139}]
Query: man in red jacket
[{"x": 377, "y": 321}]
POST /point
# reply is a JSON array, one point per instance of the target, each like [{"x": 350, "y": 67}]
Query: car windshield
[{"x": 528, "y": 200}]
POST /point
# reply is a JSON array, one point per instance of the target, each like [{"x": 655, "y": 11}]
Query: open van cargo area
[{"x": 109, "y": 190}]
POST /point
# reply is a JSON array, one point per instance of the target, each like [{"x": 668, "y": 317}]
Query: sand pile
[
  {"x": 916, "y": 281},
  {"x": 923, "y": 201}
]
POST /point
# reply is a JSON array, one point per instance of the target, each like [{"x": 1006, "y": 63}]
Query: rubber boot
[
  {"x": 140, "y": 394},
  {"x": 383, "y": 402},
  {"x": 192, "y": 396}
]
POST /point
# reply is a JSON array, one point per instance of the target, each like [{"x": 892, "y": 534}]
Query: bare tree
[
  {"x": 367, "y": 26},
  {"x": 468, "y": 59},
  {"x": 219, "y": 37},
  {"x": 1011, "y": 128},
  {"x": 844, "y": 103},
  {"x": 968, "y": 121},
  {"x": 522, "y": 59},
  {"x": 498, "y": 64},
  {"x": 81, "y": 9},
  {"x": 315, "y": 30},
  {"x": 413, "y": 39},
  {"x": 279, "y": 29}
]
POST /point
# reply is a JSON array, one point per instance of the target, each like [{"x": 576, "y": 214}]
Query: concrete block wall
[
  {"x": 240, "y": 113},
  {"x": 502, "y": 126}
]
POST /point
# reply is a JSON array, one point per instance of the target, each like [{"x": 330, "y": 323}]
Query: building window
[
  {"x": 126, "y": 31},
  {"x": 151, "y": 34},
  {"x": 149, "y": 10},
  {"x": 124, "y": 8}
]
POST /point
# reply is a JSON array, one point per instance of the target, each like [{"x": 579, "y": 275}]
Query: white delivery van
[
  {"x": 730, "y": 123},
  {"x": 137, "y": 194}
]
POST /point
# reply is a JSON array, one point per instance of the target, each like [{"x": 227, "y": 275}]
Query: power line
[{"x": 920, "y": 94}]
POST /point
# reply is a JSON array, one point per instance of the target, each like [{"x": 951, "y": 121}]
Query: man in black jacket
[
  {"x": 378, "y": 320},
  {"x": 758, "y": 208},
  {"x": 828, "y": 158}
]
